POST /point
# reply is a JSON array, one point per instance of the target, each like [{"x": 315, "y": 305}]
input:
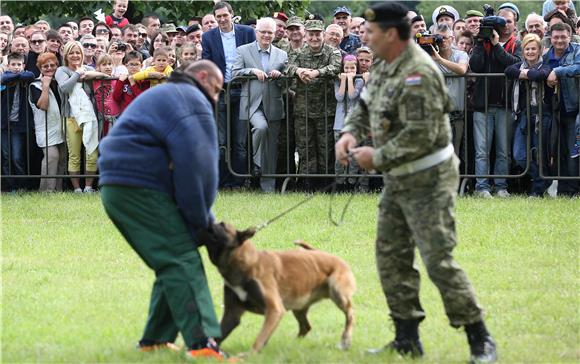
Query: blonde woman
[{"x": 81, "y": 126}]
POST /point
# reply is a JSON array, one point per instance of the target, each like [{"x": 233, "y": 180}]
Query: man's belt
[{"x": 421, "y": 164}]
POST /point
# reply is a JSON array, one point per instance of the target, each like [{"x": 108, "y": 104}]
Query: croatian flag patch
[{"x": 413, "y": 80}]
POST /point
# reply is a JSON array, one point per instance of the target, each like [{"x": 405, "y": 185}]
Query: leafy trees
[{"x": 57, "y": 12}]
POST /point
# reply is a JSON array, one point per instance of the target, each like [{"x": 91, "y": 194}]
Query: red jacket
[{"x": 124, "y": 93}]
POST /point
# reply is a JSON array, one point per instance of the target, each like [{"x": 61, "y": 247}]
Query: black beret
[{"x": 386, "y": 12}]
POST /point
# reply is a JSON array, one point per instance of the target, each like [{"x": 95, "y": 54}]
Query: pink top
[{"x": 106, "y": 105}]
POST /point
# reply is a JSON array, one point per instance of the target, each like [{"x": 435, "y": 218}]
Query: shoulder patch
[{"x": 413, "y": 80}]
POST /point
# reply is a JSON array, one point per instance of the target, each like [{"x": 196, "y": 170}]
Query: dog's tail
[{"x": 303, "y": 244}]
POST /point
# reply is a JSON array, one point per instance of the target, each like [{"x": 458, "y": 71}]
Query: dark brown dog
[{"x": 270, "y": 283}]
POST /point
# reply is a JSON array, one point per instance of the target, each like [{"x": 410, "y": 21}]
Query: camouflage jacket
[
  {"x": 320, "y": 91},
  {"x": 405, "y": 105}
]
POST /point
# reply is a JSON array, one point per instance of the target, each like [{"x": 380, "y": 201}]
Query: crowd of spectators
[{"x": 64, "y": 85}]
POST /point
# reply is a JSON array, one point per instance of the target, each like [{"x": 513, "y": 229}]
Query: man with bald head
[{"x": 159, "y": 177}]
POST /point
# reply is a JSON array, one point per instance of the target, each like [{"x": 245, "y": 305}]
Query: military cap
[
  {"x": 472, "y": 13},
  {"x": 386, "y": 12},
  {"x": 342, "y": 9},
  {"x": 444, "y": 10},
  {"x": 417, "y": 18},
  {"x": 169, "y": 28},
  {"x": 294, "y": 21},
  {"x": 280, "y": 16},
  {"x": 314, "y": 25},
  {"x": 511, "y": 7}
]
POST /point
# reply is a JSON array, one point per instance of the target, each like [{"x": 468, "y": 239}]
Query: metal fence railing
[{"x": 305, "y": 141}]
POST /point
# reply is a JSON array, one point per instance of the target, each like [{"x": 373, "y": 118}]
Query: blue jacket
[
  {"x": 213, "y": 49},
  {"x": 166, "y": 140},
  {"x": 569, "y": 67},
  {"x": 11, "y": 81}
]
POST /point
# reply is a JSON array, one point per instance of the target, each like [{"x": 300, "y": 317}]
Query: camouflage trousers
[
  {"x": 417, "y": 210},
  {"x": 315, "y": 143}
]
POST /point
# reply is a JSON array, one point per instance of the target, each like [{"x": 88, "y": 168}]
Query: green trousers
[{"x": 180, "y": 301}]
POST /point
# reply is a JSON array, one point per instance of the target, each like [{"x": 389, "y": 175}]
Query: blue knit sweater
[{"x": 166, "y": 140}]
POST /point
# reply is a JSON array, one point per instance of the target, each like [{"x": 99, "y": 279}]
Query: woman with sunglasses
[
  {"x": 89, "y": 43},
  {"x": 44, "y": 99},
  {"x": 102, "y": 30},
  {"x": 37, "y": 46}
]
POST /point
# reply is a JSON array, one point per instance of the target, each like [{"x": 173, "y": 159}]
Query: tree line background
[{"x": 178, "y": 12}]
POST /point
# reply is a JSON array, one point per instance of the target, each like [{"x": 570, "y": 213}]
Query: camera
[
  {"x": 489, "y": 23},
  {"x": 425, "y": 40},
  {"x": 121, "y": 46}
]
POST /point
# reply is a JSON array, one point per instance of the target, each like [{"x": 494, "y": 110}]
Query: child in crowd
[
  {"x": 127, "y": 89},
  {"x": 15, "y": 118},
  {"x": 106, "y": 105},
  {"x": 172, "y": 56},
  {"x": 117, "y": 18},
  {"x": 188, "y": 53},
  {"x": 159, "y": 71},
  {"x": 465, "y": 42},
  {"x": 347, "y": 91}
]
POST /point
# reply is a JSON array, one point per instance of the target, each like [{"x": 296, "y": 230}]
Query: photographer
[
  {"x": 493, "y": 54},
  {"x": 452, "y": 61}
]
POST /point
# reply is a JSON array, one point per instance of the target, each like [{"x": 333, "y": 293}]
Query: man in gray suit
[{"x": 261, "y": 100}]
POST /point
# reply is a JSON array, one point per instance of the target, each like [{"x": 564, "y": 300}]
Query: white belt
[{"x": 420, "y": 164}]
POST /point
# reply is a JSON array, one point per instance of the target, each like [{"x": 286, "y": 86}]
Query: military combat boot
[
  {"x": 406, "y": 341},
  {"x": 481, "y": 344}
]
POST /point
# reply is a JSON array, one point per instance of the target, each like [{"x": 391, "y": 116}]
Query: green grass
[{"x": 74, "y": 291}]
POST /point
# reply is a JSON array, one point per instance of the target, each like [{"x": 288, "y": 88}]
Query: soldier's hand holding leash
[
  {"x": 364, "y": 157},
  {"x": 342, "y": 149}
]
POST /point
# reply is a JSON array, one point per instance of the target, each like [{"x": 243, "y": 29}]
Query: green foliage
[
  {"x": 179, "y": 12},
  {"x": 526, "y": 7},
  {"x": 74, "y": 291}
]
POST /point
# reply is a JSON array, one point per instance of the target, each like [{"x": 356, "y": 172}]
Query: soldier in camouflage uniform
[
  {"x": 316, "y": 66},
  {"x": 405, "y": 106}
]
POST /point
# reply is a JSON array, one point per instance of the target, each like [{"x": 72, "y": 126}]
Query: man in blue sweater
[{"x": 159, "y": 178}]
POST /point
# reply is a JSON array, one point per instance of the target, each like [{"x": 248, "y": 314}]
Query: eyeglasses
[
  {"x": 48, "y": 66},
  {"x": 37, "y": 41},
  {"x": 143, "y": 35},
  {"x": 102, "y": 30},
  {"x": 89, "y": 45}
]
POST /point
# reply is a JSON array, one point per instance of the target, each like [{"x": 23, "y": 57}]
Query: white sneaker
[
  {"x": 89, "y": 189},
  {"x": 483, "y": 194},
  {"x": 78, "y": 190},
  {"x": 502, "y": 193}
]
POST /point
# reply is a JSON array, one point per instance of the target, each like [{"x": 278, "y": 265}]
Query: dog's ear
[{"x": 246, "y": 234}]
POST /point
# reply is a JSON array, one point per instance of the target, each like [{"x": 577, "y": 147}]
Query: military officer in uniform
[
  {"x": 405, "y": 106},
  {"x": 315, "y": 65}
]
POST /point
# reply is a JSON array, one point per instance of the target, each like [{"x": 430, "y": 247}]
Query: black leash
[
  {"x": 332, "y": 188},
  {"x": 264, "y": 224}
]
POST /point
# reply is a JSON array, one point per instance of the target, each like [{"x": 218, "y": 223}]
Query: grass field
[{"x": 73, "y": 290}]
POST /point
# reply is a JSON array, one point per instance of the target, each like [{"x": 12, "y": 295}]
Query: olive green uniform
[{"x": 406, "y": 105}]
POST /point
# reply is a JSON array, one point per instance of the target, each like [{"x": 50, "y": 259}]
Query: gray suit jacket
[{"x": 254, "y": 92}]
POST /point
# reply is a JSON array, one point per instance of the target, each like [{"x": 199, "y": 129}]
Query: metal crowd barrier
[{"x": 288, "y": 168}]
